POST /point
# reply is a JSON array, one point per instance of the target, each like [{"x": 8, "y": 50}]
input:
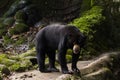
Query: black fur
[{"x": 58, "y": 37}]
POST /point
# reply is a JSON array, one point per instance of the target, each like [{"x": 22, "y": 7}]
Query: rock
[
  {"x": 108, "y": 60},
  {"x": 68, "y": 77},
  {"x": 106, "y": 67},
  {"x": 64, "y": 77},
  {"x": 102, "y": 74}
]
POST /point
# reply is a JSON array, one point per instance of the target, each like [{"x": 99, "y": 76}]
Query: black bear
[{"x": 58, "y": 37}]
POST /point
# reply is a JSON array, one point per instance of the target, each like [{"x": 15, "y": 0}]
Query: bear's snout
[{"x": 76, "y": 49}]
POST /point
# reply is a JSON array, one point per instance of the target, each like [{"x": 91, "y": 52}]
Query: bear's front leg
[
  {"x": 75, "y": 58},
  {"x": 41, "y": 61},
  {"x": 63, "y": 63}
]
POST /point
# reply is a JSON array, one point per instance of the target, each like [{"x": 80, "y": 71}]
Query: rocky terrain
[{"x": 36, "y": 75}]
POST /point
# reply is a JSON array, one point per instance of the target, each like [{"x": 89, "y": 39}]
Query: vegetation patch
[
  {"x": 88, "y": 24},
  {"x": 3, "y": 29},
  {"x": 18, "y": 28},
  {"x": 18, "y": 63},
  {"x": 9, "y": 21}
]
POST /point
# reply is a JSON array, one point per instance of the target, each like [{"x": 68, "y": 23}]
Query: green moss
[
  {"x": 3, "y": 29},
  {"x": 1, "y": 76},
  {"x": 2, "y": 32},
  {"x": 89, "y": 19},
  {"x": 6, "y": 61},
  {"x": 7, "y": 40},
  {"x": 19, "y": 62},
  {"x": 21, "y": 66},
  {"x": 69, "y": 52},
  {"x": 3, "y": 56},
  {"x": 15, "y": 67},
  {"x": 20, "y": 15},
  {"x": 19, "y": 21},
  {"x": 69, "y": 58},
  {"x": 15, "y": 57},
  {"x": 2, "y": 26},
  {"x": 20, "y": 41},
  {"x": 86, "y": 5},
  {"x": 9, "y": 21},
  {"x": 18, "y": 28},
  {"x": 88, "y": 23},
  {"x": 28, "y": 53}
]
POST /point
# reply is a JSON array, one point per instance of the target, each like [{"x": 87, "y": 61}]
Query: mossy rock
[
  {"x": 15, "y": 57},
  {"x": 28, "y": 53},
  {"x": 32, "y": 59},
  {"x": 102, "y": 74},
  {"x": 20, "y": 40},
  {"x": 18, "y": 28},
  {"x": 68, "y": 77},
  {"x": 69, "y": 51},
  {"x": 21, "y": 66},
  {"x": 4, "y": 69},
  {"x": 69, "y": 58},
  {"x": 2, "y": 26},
  {"x": 1, "y": 77},
  {"x": 3, "y": 32},
  {"x": 3, "y": 56},
  {"x": 9, "y": 21},
  {"x": 19, "y": 21},
  {"x": 7, "y": 40},
  {"x": 3, "y": 29},
  {"x": 20, "y": 15},
  {"x": 89, "y": 23},
  {"x": 4, "y": 59}
]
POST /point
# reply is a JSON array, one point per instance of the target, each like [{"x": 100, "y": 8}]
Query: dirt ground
[{"x": 36, "y": 75}]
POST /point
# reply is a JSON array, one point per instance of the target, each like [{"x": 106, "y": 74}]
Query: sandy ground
[{"x": 36, "y": 75}]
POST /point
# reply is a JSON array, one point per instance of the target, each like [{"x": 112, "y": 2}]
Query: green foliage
[
  {"x": 1, "y": 76},
  {"x": 88, "y": 23},
  {"x": 69, "y": 58},
  {"x": 89, "y": 19},
  {"x": 3, "y": 29},
  {"x": 3, "y": 56},
  {"x": 19, "y": 62},
  {"x": 20, "y": 41},
  {"x": 28, "y": 53},
  {"x": 85, "y": 5},
  {"x": 7, "y": 40},
  {"x": 2, "y": 25},
  {"x": 2, "y": 32},
  {"x": 69, "y": 52},
  {"x": 9, "y": 21},
  {"x": 20, "y": 15},
  {"x": 18, "y": 28},
  {"x": 21, "y": 66},
  {"x": 5, "y": 60},
  {"x": 15, "y": 67}
]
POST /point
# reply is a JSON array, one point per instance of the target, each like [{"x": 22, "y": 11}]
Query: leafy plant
[
  {"x": 9, "y": 21},
  {"x": 7, "y": 40},
  {"x": 18, "y": 28},
  {"x": 19, "y": 14}
]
